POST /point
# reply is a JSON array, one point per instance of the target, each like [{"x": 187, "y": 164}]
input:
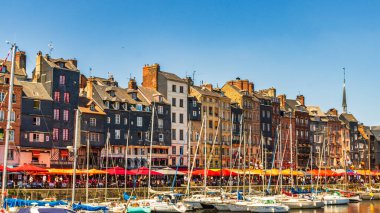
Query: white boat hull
[{"x": 268, "y": 208}]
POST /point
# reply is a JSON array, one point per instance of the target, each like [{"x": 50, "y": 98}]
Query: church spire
[{"x": 344, "y": 102}]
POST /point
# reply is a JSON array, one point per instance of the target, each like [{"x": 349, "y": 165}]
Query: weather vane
[{"x": 51, "y": 47}]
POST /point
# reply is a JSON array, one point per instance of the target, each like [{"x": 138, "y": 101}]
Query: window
[
  {"x": 173, "y": 117},
  {"x": 1, "y": 115},
  {"x": 36, "y": 104},
  {"x": 147, "y": 136},
  {"x": 194, "y": 113},
  {"x": 36, "y": 121},
  {"x": 116, "y": 105},
  {"x": 55, "y": 134},
  {"x": 194, "y": 104},
  {"x": 117, "y": 134},
  {"x": 11, "y": 135},
  {"x": 210, "y": 124},
  {"x": 161, "y": 137},
  {"x": 14, "y": 98},
  {"x": 125, "y": 135},
  {"x": 2, "y": 96},
  {"x": 140, "y": 136},
  {"x": 65, "y": 115},
  {"x": 181, "y": 134},
  {"x": 181, "y": 89},
  {"x": 13, "y": 116},
  {"x": 92, "y": 121},
  {"x": 134, "y": 96},
  {"x": 10, "y": 154},
  {"x": 160, "y": 109},
  {"x": 56, "y": 114},
  {"x": 56, "y": 96},
  {"x": 62, "y": 79},
  {"x": 174, "y": 101},
  {"x": 174, "y": 150},
  {"x": 108, "y": 120},
  {"x": 125, "y": 121},
  {"x": 180, "y": 102},
  {"x": 139, "y": 107},
  {"x": 107, "y": 103},
  {"x": 66, "y": 97},
  {"x": 139, "y": 121},
  {"x": 160, "y": 123},
  {"x": 35, "y": 137},
  {"x": 65, "y": 134},
  {"x": 117, "y": 119},
  {"x": 92, "y": 107},
  {"x": 174, "y": 88},
  {"x": 174, "y": 136}
]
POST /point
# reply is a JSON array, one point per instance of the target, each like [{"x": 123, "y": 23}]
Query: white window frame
[
  {"x": 117, "y": 118},
  {"x": 117, "y": 134},
  {"x": 139, "y": 121}
]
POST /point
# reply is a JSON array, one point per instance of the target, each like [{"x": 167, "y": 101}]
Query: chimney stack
[
  {"x": 282, "y": 99},
  {"x": 132, "y": 84},
  {"x": 301, "y": 99},
  {"x": 150, "y": 76},
  {"x": 20, "y": 60},
  {"x": 208, "y": 86}
]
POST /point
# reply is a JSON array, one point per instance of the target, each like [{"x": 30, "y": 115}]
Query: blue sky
[{"x": 296, "y": 46}]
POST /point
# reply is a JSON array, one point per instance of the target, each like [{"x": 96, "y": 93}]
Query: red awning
[
  {"x": 28, "y": 168},
  {"x": 35, "y": 153},
  {"x": 64, "y": 153},
  {"x": 144, "y": 171}
]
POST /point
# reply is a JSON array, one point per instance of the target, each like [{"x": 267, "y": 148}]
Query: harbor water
[{"x": 362, "y": 207}]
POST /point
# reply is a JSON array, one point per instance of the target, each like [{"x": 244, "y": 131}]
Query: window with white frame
[
  {"x": 108, "y": 120},
  {"x": 65, "y": 115},
  {"x": 117, "y": 134},
  {"x": 139, "y": 121},
  {"x": 160, "y": 110},
  {"x": 62, "y": 79},
  {"x": 56, "y": 114},
  {"x": 1, "y": 115},
  {"x": 160, "y": 123},
  {"x": 2, "y": 96},
  {"x": 11, "y": 135},
  {"x": 65, "y": 134},
  {"x": 92, "y": 121},
  {"x": 117, "y": 119},
  {"x": 139, "y": 107},
  {"x": 125, "y": 121},
  {"x": 36, "y": 121},
  {"x": 160, "y": 137}
]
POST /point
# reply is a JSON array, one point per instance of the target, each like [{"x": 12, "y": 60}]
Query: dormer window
[
  {"x": 107, "y": 103},
  {"x": 92, "y": 107},
  {"x": 116, "y": 105},
  {"x": 112, "y": 93},
  {"x": 134, "y": 96},
  {"x": 4, "y": 70},
  {"x": 61, "y": 64},
  {"x": 139, "y": 107},
  {"x": 147, "y": 109},
  {"x": 125, "y": 106}
]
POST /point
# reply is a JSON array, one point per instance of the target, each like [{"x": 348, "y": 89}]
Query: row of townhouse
[{"x": 231, "y": 126}]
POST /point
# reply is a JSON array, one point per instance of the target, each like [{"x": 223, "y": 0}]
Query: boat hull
[
  {"x": 131, "y": 209},
  {"x": 304, "y": 204},
  {"x": 268, "y": 208},
  {"x": 370, "y": 196}
]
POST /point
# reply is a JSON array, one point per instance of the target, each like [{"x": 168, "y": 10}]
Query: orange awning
[{"x": 64, "y": 153}]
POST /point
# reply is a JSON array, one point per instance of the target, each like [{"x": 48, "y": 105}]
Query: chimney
[
  {"x": 208, "y": 86},
  {"x": 37, "y": 71},
  {"x": 74, "y": 61},
  {"x": 150, "y": 76},
  {"x": 301, "y": 99},
  {"x": 282, "y": 99},
  {"x": 89, "y": 87},
  {"x": 20, "y": 60},
  {"x": 132, "y": 84},
  {"x": 333, "y": 112},
  {"x": 251, "y": 87}
]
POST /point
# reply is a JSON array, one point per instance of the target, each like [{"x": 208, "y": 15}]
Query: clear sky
[{"x": 296, "y": 46}]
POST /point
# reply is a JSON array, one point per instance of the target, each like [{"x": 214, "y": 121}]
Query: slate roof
[
  {"x": 34, "y": 90},
  {"x": 376, "y": 132},
  {"x": 349, "y": 117},
  {"x": 84, "y": 106},
  {"x": 149, "y": 94},
  {"x": 18, "y": 71},
  {"x": 205, "y": 91},
  {"x": 315, "y": 111},
  {"x": 294, "y": 105},
  {"x": 172, "y": 77},
  {"x": 122, "y": 95}
]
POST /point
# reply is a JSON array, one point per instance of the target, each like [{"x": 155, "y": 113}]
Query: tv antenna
[
  {"x": 90, "y": 71},
  {"x": 51, "y": 47}
]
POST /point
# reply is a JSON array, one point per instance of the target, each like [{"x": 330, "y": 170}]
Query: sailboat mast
[
  {"x": 151, "y": 148},
  {"x": 231, "y": 140},
  {"x": 76, "y": 140},
  {"x": 205, "y": 162},
  {"x": 107, "y": 152},
  {"x": 87, "y": 163},
  {"x": 8, "y": 127},
  {"x": 291, "y": 150},
  {"x": 126, "y": 162},
  {"x": 369, "y": 160}
]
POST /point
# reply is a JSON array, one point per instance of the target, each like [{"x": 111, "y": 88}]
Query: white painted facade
[{"x": 177, "y": 97}]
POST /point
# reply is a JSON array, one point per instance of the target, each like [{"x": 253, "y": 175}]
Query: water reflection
[{"x": 363, "y": 207}]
